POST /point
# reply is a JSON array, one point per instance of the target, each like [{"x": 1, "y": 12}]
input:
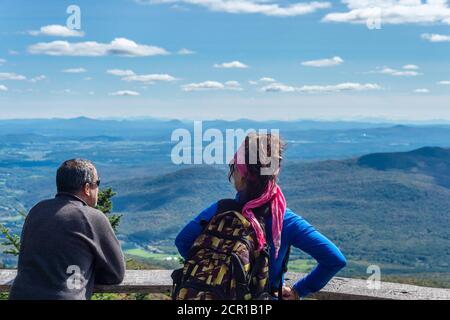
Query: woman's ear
[{"x": 242, "y": 183}]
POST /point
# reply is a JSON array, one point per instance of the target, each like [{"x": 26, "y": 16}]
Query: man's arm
[{"x": 109, "y": 260}]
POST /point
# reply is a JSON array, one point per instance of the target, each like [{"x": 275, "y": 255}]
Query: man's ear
[{"x": 86, "y": 189}]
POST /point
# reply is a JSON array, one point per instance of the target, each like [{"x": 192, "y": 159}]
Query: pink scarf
[{"x": 273, "y": 194}]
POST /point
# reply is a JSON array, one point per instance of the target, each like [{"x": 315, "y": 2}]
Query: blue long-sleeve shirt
[{"x": 296, "y": 232}]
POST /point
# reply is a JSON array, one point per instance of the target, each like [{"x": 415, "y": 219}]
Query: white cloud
[
  {"x": 125, "y": 93},
  {"x": 422, "y": 90},
  {"x": 261, "y": 80},
  {"x": 335, "y": 61},
  {"x": 56, "y": 30},
  {"x": 119, "y": 46},
  {"x": 11, "y": 76},
  {"x": 347, "y": 86},
  {"x": 411, "y": 67},
  {"x": 150, "y": 78},
  {"x": 398, "y": 73},
  {"x": 211, "y": 85},
  {"x": 206, "y": 85},
  {"x": 278, "y": 87},
  {"x": 185, "y": 51},
  {"x": 74, "y": 70},
  {"x": 444, "y": 82},
  {"x": 265, "y": 7},
  {"x": 267, "y": 79},
  {"x": 120, "y": 72},
  {"x": 435, "y": 37},
  {"x": 2, "y": 61},
  {"x": 130, "y": 75},
  {"x": 3, "y": 88},
  {"x": 232, "y": 64},
  {"x": 178, "y": 7},
  {"x": 38, "y": 78},
  {"x": 393, "y": 12},
  {"x": 233, "y": 85},
  {"x": 64, "y": 91}
]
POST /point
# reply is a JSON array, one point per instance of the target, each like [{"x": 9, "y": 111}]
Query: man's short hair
[{"x": 73, "y": 174}]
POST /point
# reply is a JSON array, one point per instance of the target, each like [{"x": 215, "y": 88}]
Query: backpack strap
[
  {"x": 284, "y": 269},
  {"x": 228, "y": 205},
  {"x": 177, "y": 277},
  {"x": 223, "y": 206},
  {"x": 286, "y": 260}
]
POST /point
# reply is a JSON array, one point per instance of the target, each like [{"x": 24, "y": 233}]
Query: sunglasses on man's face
[{"x": 96, "y": 183}]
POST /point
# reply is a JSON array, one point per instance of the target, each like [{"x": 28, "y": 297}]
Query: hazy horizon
[{"x": 324, "y": 120}]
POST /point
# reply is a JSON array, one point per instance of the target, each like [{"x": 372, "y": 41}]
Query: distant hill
[
  {"x": 387, "y": 209},
  {"x": 432, "y": 161},
  {"x": 165, "y": 191}
]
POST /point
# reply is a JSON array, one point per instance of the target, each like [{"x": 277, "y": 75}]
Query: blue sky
[{"x": 226, "y": 59}]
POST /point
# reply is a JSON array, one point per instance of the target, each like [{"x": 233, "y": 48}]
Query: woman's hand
[{"x": 289, "y": 294}]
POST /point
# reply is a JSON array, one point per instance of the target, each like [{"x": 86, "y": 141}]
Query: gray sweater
[{"x": 66, "y": 248}]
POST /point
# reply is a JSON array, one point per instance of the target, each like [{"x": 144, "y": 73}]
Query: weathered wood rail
[{"x": 159, "y": 281}]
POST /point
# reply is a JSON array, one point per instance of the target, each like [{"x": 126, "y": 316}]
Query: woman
[{"x": 256, "y": 189}]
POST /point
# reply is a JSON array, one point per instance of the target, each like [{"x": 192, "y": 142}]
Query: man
[{"x": 67, "y": 246}]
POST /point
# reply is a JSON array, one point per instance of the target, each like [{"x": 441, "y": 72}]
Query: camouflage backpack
[{"x": 223, "y": 263}]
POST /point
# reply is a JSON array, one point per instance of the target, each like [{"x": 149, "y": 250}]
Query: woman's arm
[
  {"x": 329, "y": 257},
  {"x": 193, "y": 229}
]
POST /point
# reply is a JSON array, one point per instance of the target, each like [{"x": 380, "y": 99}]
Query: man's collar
[{"x": 70, "y": 195}]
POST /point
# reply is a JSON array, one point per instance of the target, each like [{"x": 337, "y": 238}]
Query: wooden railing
[{"x": 159, "y": 281}]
